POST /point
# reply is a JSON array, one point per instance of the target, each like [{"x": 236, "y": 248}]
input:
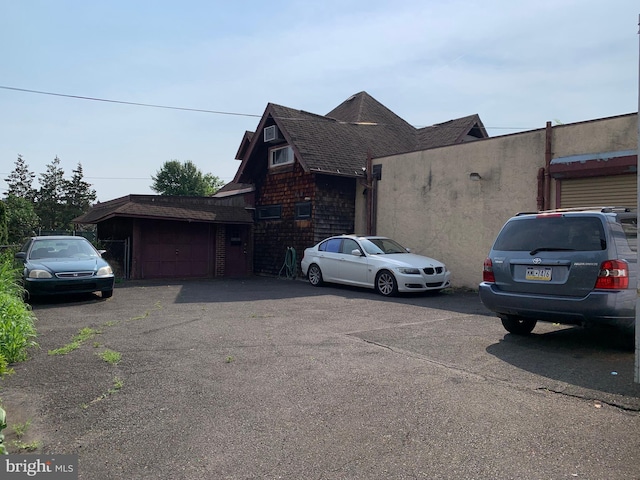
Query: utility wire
[
  {"x": 217, "y": 112},
  {"x": 128, "y": 103}
]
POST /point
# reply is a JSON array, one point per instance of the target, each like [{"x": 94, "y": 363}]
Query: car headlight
[
  {"x": 104, "y": 271},
  {"x": 409, "y": 270},
  {"x": 39, "y": 274}
]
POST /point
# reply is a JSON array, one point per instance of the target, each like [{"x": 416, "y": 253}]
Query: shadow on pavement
[
  {"x": 269, "y": 288},
  {"x": 596, "y": 359}
]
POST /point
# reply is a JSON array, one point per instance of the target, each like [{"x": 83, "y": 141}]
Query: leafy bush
[
  {"x": 10, "y": 281},
  {"x": 17, "y": 322},
  {"x": 17, "y": 330}
]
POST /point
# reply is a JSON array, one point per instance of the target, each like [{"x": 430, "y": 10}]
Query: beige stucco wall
[
  {"x": 427, "y": 201},
  {"x": 596, "y": 136}
]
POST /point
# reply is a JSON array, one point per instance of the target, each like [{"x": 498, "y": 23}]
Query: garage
[
  {"x": 616, "y": 190},
  {"x": 170, "y": 252},
  {"x": 175, "y": 237},
  {"x": 596, "y": 179}
]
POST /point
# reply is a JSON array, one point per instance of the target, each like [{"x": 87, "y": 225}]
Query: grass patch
[
  {"x": 22, "y": 447},
  {"x": 82, "y": 336},
  {"x": 21, "y": 428},
  {"x": 110, "y": 356}
]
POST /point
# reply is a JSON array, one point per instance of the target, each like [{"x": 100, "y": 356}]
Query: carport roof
[{"x": 165, "y": 207}]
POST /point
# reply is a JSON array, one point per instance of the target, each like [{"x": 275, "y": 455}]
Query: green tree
[
  {"x": 78, "y": 197},
  {"x": 22, "y": 221},
  {"x": 50, "y": 196},
  {"x": 20, "y": 180},
  {"x": 3, "y": 224},
  {"x": 184, "y": 179},
  {"x": 213, "y": 184}
]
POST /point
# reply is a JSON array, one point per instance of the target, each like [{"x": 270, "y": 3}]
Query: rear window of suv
[
  {"x": 552, "y": 233},
  {"x": 630, "y": 228}
]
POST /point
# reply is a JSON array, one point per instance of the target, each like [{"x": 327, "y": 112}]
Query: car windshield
[
  {"x": 561, "y": 233},
  {"x": 57, "y": 248},
  {"x": 381, "y": 246}
]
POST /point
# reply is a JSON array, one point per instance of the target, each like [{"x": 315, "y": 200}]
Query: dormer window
[{"x": 280, "y": 156}]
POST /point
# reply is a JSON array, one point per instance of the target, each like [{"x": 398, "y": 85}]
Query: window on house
[
  {"x": 280, "y": 156},
  {"x": 269, "y": 212},
  {"x": 303, "y": 210}
]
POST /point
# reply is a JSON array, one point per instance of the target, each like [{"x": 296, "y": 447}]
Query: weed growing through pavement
[
  {"x": 110, "y": 356},
  {"x": 82, "y": 336},
  {"x": 117, "y": 386},
  {"x": 21, "y": 446},
  {"x": 21, "y": 428}
]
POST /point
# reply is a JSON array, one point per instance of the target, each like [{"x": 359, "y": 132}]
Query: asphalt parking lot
[{"x": 267, "y": 378}]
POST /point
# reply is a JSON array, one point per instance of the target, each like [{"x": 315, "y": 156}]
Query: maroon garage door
[{"x": 177, "y": 250}]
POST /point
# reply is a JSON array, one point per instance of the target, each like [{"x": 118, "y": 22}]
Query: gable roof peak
[{"x": 363, "y": 108}]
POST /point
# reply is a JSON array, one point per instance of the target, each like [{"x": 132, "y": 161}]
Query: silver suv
[{"x": 569, "y": 266}]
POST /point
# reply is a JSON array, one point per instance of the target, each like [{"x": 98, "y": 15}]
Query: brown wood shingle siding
[
  {"x": 285, "y": 186},
  {"x": 334, "y": 208},
  {"x": 332, "y": 202}
]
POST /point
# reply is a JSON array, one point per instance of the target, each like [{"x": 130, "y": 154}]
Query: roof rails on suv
[{"x": 611, "y": 209}]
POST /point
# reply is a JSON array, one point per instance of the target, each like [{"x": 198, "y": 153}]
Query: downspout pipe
[
  {"x": 546, "y": 201},
  {"x": 369, "y": 187}
]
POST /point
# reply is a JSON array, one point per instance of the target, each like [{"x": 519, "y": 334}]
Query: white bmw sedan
[{"x": 373, "y": 262}]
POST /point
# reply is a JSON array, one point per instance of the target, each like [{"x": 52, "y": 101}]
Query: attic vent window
[
  {"x": 272, "y": 134},
  {"x": 280, "y": 156}
]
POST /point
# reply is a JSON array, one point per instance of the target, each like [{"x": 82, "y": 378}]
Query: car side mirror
[
  {"x": 356, "y": 252},
  {"x": 20, "y": 256},
  {"x": 102, "y": 252}
]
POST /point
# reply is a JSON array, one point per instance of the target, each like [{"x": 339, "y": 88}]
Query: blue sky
[{"x": 517, "y": 64}]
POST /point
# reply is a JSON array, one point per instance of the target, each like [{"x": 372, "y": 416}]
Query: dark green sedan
[{"x": 56, "y": 265}]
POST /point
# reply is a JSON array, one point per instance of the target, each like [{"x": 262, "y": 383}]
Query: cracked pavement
[{"x": 267, "y": 378}]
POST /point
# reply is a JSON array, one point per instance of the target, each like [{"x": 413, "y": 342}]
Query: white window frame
[{"x": 276, "y": 160}]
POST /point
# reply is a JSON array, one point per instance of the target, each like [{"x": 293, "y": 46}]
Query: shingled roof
[
  {"x": 338, "y": 143},
  {"x": 166, "y": 207}
]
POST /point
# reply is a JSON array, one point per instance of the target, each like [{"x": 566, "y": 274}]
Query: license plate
[{"x": 538, "y": 273}]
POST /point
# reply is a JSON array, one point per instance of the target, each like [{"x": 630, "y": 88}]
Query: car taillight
[
  {"x": 487, "y": 272},
  {"x": 613, "y": 274}
]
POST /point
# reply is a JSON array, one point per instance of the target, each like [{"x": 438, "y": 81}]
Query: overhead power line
[
  {"x": 217, "y": 112},
  {"x": 137, "y": 104}
]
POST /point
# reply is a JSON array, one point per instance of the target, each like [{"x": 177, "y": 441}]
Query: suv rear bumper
[{"x": 615, "y": 307}]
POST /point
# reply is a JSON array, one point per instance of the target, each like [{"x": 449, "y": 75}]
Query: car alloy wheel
[
  {"x": 386, "y": 284},
  {"x": 315, "y": 275}
]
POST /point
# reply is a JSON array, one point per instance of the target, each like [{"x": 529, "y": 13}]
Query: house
[
  {"x": 306, "y": 170},
  {"x": 162, "y": 236},
  {"x": 454, "y": 199}
]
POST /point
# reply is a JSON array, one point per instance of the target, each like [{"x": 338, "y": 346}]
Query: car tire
[
  {"x": 517, "y": 325},
  {"x": 315, "y": 275},
  {"x": 386, "y": 284},
  {"x": 107, "y": 293}
]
